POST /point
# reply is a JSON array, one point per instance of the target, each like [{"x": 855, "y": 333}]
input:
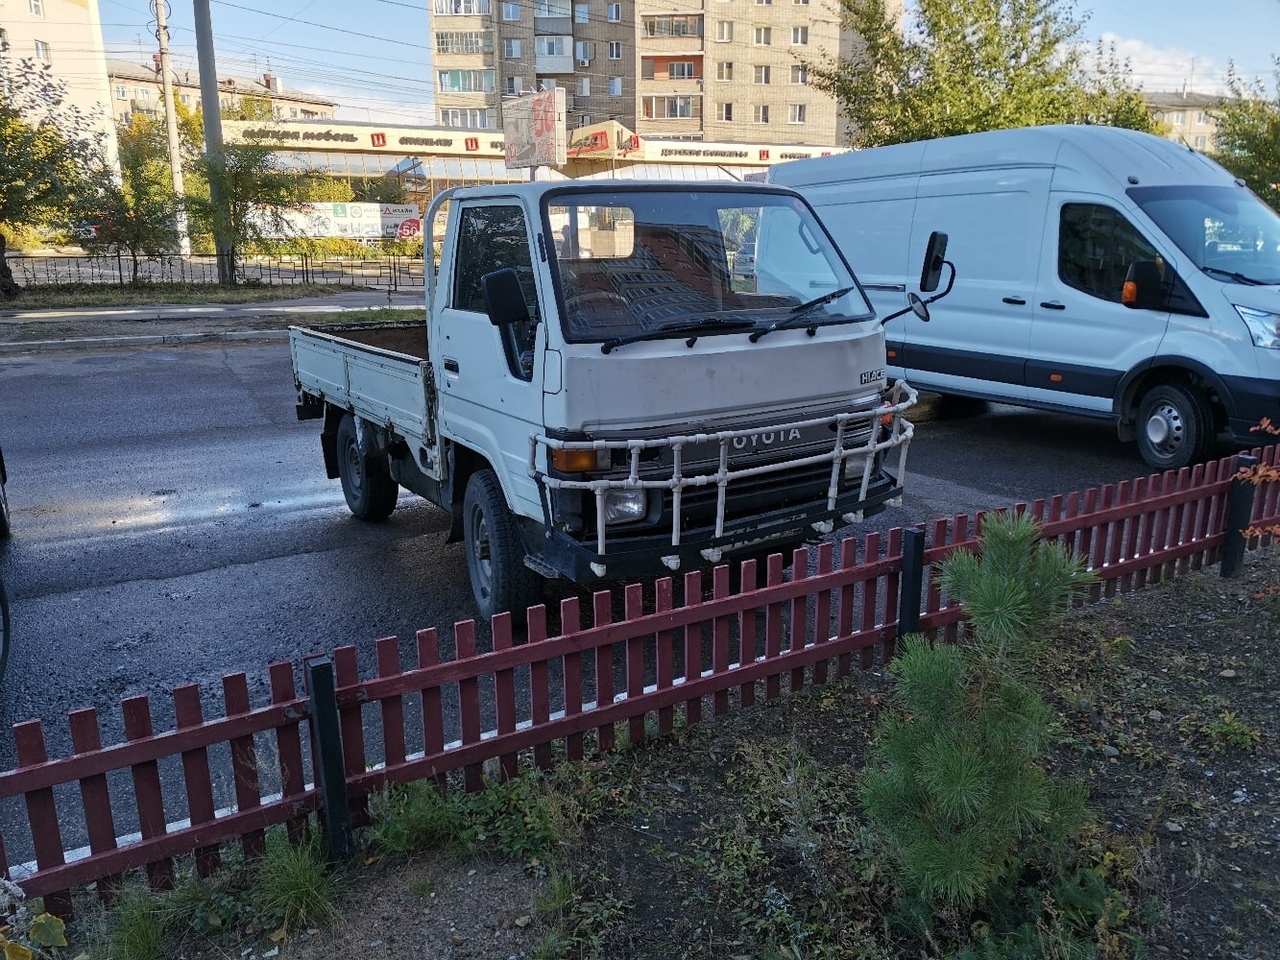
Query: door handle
[
  {"x": 450, "y": 365},
  {"x": 1053, "y": 305},
  {"x": 1016, "y": 301}
]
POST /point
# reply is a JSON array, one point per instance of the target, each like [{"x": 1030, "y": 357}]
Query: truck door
[
  {"x": 1083, "y": 338},
  {"x": 490, "y": 388},
  {"x": 977, "y": 340}
]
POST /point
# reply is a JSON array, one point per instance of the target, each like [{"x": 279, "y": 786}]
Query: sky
[{"x": 372, "y": 56}]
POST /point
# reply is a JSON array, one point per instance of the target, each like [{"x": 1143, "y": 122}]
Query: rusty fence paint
[{"x": 684, "y": 646}]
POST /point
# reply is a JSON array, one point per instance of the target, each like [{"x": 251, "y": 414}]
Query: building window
[
  {"x": 764, "y": 36},
  {"x": 511, "y": 49},
  {"x": 551, "y": 46},
  {"x": 800, "y": 3},
  {"x": 293, "y": 113},
  {"x": 464, "y": 41},
  {"x": 581, "y": 13},
  {"x": 724, "y": 31},
  {"x": 614, "y": 12},
  {"x": 800, "y": 36},
  {"x": 725, "y": 112},
  {"x": 762, "y": 114},
  {"x": 42, "y": 52},
  {"x": 799, "y": 73},
  {"x": 546, "y": 84},
  {"x": 681, "y": 70},
  {"x": 142, "y": 93},
  {"x": 515, "y": 86},
  {"x": 764, "y": 3},
  {"x": 1177, "y": 118},
  {"x": 551, "y": 8},
  {"x": 468, "y": 119},
  {"x": 584, "y": 50},
  {"x": 615, "y": 49},
  {"x": 796, "y": 113},
  {"x": 1200, "y": 143},
  {"x": 764, "y": 73},
  {"x": 37, "y": 7},
  {"x": 671, "y": 108},
  {"x": 185, "y": 98},
  {"x": 463, "y": 8},
  {"x": 511, "y": 12},
  {"x": 584, "y": 87},
  {"x": 615, "y": 86},
  {"x": 673, "y": 26},
  {"x": 122, "y": 93},
  {"x": 465, "y": 81},
  {"x": 724, "y": 70},
  {"x": 1202, "y": 117},
  {"x": 646, "y": 68},
  {"x": 584, "y": 120}
]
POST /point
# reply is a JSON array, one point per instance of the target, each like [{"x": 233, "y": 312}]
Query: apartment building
[
  {"x": 715, "y": 70},
  {"x": 65, "y": 35},
  {"x": 137, "y": 89},
  {"x": 1188, "y": 116}
]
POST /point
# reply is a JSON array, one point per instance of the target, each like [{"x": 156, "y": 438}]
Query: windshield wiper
[
  {"x": 800, "y": 311},
  {"x": 1232, "y": 275},
  {"x": 694, "y": 328}
]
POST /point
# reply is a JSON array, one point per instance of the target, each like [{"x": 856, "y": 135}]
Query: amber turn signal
[
  {"x": 1129, "y": 293},
  {"x": 573, "y": 461}
]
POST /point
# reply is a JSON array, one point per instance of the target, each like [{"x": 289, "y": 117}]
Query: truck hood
[{"x": 720, "y": 381}]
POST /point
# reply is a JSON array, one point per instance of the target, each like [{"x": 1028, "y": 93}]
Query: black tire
[
  {"x": 1174, "y": 427},
  {"x": 5, "y": 528},
  {"x": 366, "y": 481},
  {"x": 495, "y": 553},
  {"x": 4, "y": 630}
]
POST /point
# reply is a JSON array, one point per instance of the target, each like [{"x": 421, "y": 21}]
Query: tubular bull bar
[{"x": 894, "y": 402}]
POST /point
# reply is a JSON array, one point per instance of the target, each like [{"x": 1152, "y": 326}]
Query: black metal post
[
  {"x": 326, "y": 738},
  {"x": 1239, "y": 513},
  {"x": 912, "y": 584}
]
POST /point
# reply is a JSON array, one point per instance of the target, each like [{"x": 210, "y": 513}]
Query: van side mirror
[
  {"x": 1144, "y": 286},
  {"x": 503, "y": 297},
  {"x": 935, "y": 254}
]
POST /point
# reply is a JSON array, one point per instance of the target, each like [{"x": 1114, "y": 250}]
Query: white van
[{"x": 1045, "y": 224}]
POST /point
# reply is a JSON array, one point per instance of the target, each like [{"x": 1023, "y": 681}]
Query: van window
[
  {"x": 1096, "y": 245},
  {"x": 491, "y": 237}
]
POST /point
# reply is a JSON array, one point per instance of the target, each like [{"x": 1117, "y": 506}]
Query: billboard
[
  {"x": 354, "y": 221},
  {"x": 534, "y": 130}
]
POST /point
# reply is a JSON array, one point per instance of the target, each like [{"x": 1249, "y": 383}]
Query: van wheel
[
  {"x": 366, "y": 481},
  {"x": 4, "y": 512},
  {"x": 1174, "y": 427},
  {"x": 495, "y": 552}
]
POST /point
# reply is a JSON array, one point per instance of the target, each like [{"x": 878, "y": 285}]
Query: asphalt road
[{"x": 172, "y": 523}]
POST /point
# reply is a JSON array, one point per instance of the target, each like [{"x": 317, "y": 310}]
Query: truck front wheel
[
  {"x": 1174, "y": 427},
  {"x": 495, "y": 552},
  {"x": 366, "y": 481}
]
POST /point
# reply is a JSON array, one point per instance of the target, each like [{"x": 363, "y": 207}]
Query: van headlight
[
  {"x": 1264, "y": 326},
  {"x": 625, "y": 506}
]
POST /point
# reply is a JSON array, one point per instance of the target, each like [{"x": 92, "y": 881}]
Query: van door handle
[
  {"x": 1016, "y": 301},
  {"x": 450, "y": 365},
  {"x": 1053, "y": 305}
]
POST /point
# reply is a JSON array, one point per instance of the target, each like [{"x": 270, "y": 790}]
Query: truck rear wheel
[
  {"x": 366, "y": 482},
  {"x": 1174, "y": 427},
  {"x": 495, "y": 552}
]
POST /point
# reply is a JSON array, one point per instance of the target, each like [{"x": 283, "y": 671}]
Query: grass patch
[{"x": 65, "y": 296}]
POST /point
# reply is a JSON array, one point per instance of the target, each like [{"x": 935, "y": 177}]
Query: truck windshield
[
  {"x": 645, "y": 263},
  {"x": 1227, "y": 232}
]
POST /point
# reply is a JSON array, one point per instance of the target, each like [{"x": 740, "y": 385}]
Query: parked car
[{"x": 744, "y": 261}]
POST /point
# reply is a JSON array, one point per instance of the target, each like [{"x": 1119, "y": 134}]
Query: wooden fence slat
[
  {"x": 870, "y": 596},
  {"x": 148, "y": 796},
  {"x": 822, "y": 609},
  {"x": 244, "y": 761},
  {"x": 387, "y": 653},
  {"x": 293, "y": 780},
  {"x": 692, "y": 646},
  {"x": 665, "y": 673},
  {"x": 95, "y": 796},
  {"x": 747, "y": 630},
  {"x": 539, "y": 683},
  {"x": 602, "y": 602},
  {"x": 464, "y": 638},
  {"x": 773, "y": 629},
  {"x": 633, "y": 608},
  {"x": 1148, "y": 542},
  {"x": 892, "y": 585},
  {"x": 799, "y": 614},
  {"x": 1181, "y": 515},
  {"x": 720, "y": 627},
  {"x": 504, "y": 695},
  {"x": 569, "y": 613},
  {"x": 432, "y": 701},
  {"x": 844, "y": 614},
  {"x": 188, "y": 712}
]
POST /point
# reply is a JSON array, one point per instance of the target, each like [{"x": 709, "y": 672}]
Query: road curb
[{"x": 88, "y": 343}]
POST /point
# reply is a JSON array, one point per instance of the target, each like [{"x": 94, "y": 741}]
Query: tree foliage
[
  {"x": 1248, "y": 142},
  {"x": 962, "y": 66},
  {"x": 47, "y": 146}
]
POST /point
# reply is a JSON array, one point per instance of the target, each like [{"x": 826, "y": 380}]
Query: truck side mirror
[
  {"x": 503, "y": 297},
  {"x": 935, "y": 254},
  {"x": 1144, "y": 285}
]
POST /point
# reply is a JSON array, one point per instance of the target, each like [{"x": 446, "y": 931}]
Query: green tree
[
  {"x": 963, "y": 66},
  {"x": 136, "y": 214},
  {"x": 46, "y": 148},
  {"x": 1248, "y": 142},
  {"x": 379, "y": 190},
  {"x": 250, "y": 107}
]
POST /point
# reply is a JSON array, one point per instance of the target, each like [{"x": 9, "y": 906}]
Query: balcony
[{"x": 552, "y": 26}]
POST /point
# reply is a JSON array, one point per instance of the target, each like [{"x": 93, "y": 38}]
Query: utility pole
[
  {"x": 171, "y": 123},
  {"x": 212, "y": 109}
]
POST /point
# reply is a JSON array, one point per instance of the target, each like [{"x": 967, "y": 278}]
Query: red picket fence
[{"x": 709, "y": 652}]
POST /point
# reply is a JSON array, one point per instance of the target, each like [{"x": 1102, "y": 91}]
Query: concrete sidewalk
[{"x": 270, "y": 312}]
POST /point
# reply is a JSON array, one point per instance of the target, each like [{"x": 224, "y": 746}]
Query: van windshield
[
  {"x": 648, "y": 262},
  {"x": 1227, "y": 232}
]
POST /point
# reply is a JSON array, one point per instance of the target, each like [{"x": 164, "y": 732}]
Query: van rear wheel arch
[{"x": 1189, "y": 374}]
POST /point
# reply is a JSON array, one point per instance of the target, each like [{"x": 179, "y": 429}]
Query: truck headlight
[
  {"x": 625, "y": 506},
  {"x": 1264, "y": 326},
  {"x": 854, "y": 466}
]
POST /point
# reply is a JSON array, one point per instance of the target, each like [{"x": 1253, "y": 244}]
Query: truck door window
[
  {"x": 491, "y": 237},
  {"x": 1096, "y": 245}
]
